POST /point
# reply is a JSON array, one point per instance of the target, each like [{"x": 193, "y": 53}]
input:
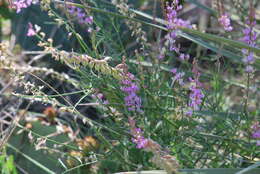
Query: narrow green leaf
[
  {"x": 202, "y": 6},
  {"x": 195, "y": 171},
  {"x": 207, "y": 45},
  {"x": 31, "y": 160},
  {"x": 249, "y": 168},
  {"x": 218, "y": 39},
  {"x": 206, "y": 36}
]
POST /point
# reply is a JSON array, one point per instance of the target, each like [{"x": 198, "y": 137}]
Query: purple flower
[
  {"x": 249, "y": 69},
  {"x": 89, "y": 30},
  {"x": 255, "y": 126},
  {"x": 89, "y": 20},
  {"x": 31, "y": 31},
  {"x": 189, "y": 113},
  {"x": 132, "y": 100},
  {"x": 174, "y": 70},
  {"x": 20, "y": 4},
  {"x": 141, "y": 142},
  {"x": 256, "y": 132},
  {"x": 173, "y": 23},
  {"x": 250, "y": 39},
  {"x": 178, "y": 76},
  {"x": 81, "y": 16},
  {"x": 224, "y": 20},
  {"x": 137, "y": 135},
  {"x": 138, "y": 139},
  {"x": 196, "y": 94},
  {"x": 182, "y": 56}
]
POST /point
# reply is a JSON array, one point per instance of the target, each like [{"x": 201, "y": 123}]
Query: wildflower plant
[{"x": 131, "y": 91}]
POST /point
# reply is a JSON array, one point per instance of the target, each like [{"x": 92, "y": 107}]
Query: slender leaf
[
  {"x": 32, "y": 160},
  {"x": 249, "y": 168},
  {"x": 206, "y": 36}
]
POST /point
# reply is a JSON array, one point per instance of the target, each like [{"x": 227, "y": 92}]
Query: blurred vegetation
[{"x": 56, "y": 122}]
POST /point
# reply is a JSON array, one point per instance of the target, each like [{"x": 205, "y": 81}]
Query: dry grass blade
[{"x": 8, "y": 122}]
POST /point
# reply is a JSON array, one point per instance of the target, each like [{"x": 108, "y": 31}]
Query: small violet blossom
[
  {"x": 81, "y": 16},
  {"x": 161, "y": 158},
  {"x": 196, "y": 94},
  {"x": 178, "y": 76},
  {"x": 249, "y": 38},
  {"x": 256, "y": 132},
  {"x": 129, "y": 87},
  {"x": 31, "y": 31},
  {"x": 137, "y": 135},
  {"x": 224, "y": 20},
  {"x": 20, "y": 4},
  {"x": 173, "y": 23}
]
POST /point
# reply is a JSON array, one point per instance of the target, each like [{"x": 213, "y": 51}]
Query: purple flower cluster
[
  {"x": 256, "y": 132},
  {"x": 20, "y": 4},
  {"x": 196, "y": 94},
  {"x": 173, "y": 23},
  {"x": 132, "y": 101},
  {"x": 250, "y": 39},
  {"x": 137, "y": 134},
  {"x": 138, "y": 139},
  {"x": 224, "y": 20},
  {"x": 81, "y": 16},
  {"x": 31, "y": 31},
  {"x": 178, "y": 76}
]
